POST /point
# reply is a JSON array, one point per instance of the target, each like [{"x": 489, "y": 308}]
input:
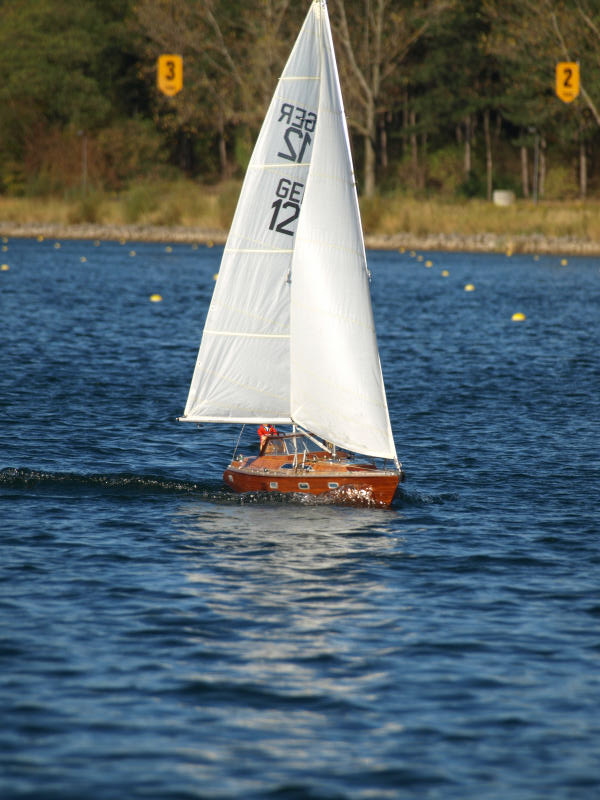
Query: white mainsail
[
  {"x": 289, "y": 336},
  {"x": 243, "y": 369}
]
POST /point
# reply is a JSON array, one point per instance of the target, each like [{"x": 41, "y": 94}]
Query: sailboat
[{"x": 289, "y": 337}]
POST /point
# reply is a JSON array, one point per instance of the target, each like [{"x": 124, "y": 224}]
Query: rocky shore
[
  {"x": 129, "y": 233},
  {"x": 482, "y": 243}
]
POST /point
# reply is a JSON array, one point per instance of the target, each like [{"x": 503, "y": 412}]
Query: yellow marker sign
[
  {"x": 567, "y": 81},
  {"x": 169, "y": 75}
]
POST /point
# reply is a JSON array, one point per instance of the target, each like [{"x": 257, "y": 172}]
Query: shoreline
[{"x": 481, "y": 243}]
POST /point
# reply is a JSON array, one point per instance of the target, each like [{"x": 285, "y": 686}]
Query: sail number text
[
  {"x": 297, "y": 139},
  {"x": 297, "y": 135},
  {"x": 287, "y": 206}
]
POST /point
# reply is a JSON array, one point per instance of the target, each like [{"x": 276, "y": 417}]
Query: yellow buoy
[
  {"x": 57, "y": 245},
  {"x": 210, "y": 243},
  {"x": 4, "y": 248},
  {"x": 215, "y": 276},
  {"x": 445, "y": 273},
  {"x": 168, "y": 249},
  {"x": 429, "y": 263},
  {"x": 4, "y": 268},
  {"x": 40, "y": 238},
  {"x": 518, "y": 316},
  {"x": 402, "y": 249},
  {"x": 155, "y": 298},
  {"x": 132, "y": 253},
  {"x": 83, "y": 259},
  {"x": 469, "y": 287},
  {"x": 564, "y": 262}
]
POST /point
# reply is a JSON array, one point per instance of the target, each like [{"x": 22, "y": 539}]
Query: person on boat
[{"x": 266, "y": 430}]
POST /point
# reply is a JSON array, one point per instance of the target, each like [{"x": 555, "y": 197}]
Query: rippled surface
[{"x": 163, "y": 638}]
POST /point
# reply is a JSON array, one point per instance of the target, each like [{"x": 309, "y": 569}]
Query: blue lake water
[{"x": 162, "y": 638}]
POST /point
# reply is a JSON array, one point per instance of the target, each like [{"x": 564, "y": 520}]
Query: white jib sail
[
  {"x": 337, "y": 388},
  {"x": 242, "y": 372}
]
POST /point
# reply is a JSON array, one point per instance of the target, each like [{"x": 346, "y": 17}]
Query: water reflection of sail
[
  {"x": 276, "y": 559},
  {"x": 261, "y": 521}
]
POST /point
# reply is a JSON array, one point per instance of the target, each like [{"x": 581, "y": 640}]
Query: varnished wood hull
[{"x": 348, "y": 483}]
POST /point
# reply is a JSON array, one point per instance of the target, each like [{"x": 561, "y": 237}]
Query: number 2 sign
[{"x": 567, "y": 81}]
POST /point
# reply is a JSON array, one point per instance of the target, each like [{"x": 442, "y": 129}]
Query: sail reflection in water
[{"x": 305, "y": 581}]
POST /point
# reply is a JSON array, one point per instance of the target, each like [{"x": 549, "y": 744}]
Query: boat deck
[{"x": 312, "y": 472}]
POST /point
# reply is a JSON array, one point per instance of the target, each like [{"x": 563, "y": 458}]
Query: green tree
[
  {"x": 452, "y": 83},
  {"x": 66, "y": 69},
  {"x": 530, "y": 37},
  {"x": 375, "y": 38},
  {"x": 233, "y": 55}
]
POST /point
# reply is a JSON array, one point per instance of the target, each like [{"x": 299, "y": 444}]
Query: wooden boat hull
[{"x": 348, "y": 483}]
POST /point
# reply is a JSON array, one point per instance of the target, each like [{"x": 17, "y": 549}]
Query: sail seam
[
  {"x": 334, "y": 246},
  {"x": 250, "y": 335},
  {"x": 254, "y": 250},
  {"x": 279, "y": 166}
]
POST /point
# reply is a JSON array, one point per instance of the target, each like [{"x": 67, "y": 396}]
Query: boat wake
[
  {"x": 344, "y": 496},
  {"x": 405, "y": 498},
  {"x": 127, "y": 485},
  {"x": 40, "y": 480},
  {"x": 122, "y": 484}
]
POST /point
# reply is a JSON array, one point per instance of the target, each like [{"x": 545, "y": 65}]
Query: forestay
[{"x": 289, "y": 335}]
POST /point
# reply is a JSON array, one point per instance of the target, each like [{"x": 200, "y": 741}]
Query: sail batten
[
  {"x": 289, "y": 336},
  {"x": 248, "y": 334},
  {"x": 262, "y": 251},
  {"x": 280, "y": 166}
]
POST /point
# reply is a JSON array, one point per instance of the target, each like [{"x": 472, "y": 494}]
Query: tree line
[{"x": 442, "y": 96}]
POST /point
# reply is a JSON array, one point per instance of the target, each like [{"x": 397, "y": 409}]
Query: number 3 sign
[{"x": 170, "y": 74}]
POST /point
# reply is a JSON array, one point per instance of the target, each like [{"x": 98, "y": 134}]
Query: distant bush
[
  {"x": 130, "y": 150},
  {"x": 472, "y": 186},
  {"x": 140, "y": 200},
  {"x": 372, "y": 210},
  {"x": 445, "y": 171},
  {"x": 161, "y": 202},
  {"x": 86, "y": 209},
  {"x": 12, "y": 178},
  {"x": 560, "y": 184},
  {"x": 227, "y": 201}
]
